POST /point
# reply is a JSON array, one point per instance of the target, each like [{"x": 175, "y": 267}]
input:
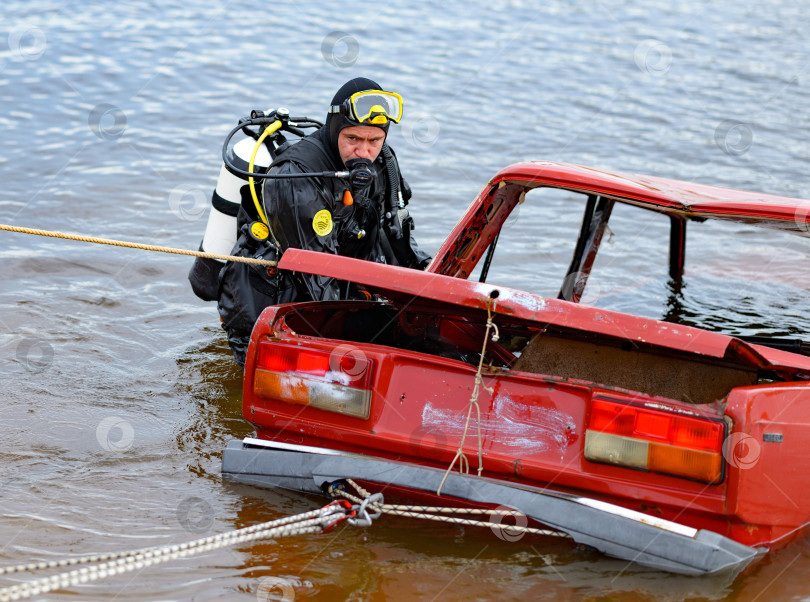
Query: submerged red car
[{"x": 661, "y": 443}]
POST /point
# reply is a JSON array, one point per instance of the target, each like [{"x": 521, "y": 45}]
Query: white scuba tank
[{"x": 220, "y": 232}]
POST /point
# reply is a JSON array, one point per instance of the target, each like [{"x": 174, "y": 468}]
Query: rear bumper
[{"x": 613, "y": 530}]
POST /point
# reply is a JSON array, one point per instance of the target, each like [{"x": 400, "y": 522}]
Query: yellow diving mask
[{"x": 371, "y": 107}]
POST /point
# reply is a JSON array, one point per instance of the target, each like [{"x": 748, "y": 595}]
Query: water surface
[{"x": 119, "y": 392}]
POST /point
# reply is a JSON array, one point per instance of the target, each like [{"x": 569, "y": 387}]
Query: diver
[{"x": 363, "y": 216}]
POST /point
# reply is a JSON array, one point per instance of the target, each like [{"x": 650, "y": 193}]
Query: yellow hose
[{"x": 268, "y": 130}]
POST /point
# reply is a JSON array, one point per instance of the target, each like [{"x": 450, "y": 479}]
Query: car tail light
[
  {"x": 656, "y": 440},
  {"x": 337, "y": 381}
]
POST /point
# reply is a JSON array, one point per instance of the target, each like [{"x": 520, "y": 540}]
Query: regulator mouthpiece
[{"x": 361, "y": 173}]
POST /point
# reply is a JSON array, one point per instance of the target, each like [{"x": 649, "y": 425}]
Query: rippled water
[{"x": 119, "y": 392}]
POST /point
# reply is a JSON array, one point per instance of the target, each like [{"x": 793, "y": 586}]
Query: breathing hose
[
  {"x": 275, "y": 121},
  {"x": 268, "y": 176},
  {"x": 392, "y": 209},
  {"x": 273, "y": 127}
]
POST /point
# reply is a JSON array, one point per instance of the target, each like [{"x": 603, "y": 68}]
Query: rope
[
  {"x": 105, "y": 565},
  {"x": 136, "y": 245},
  {"x": 321, "y": 520},
  {"x": 463, "y": 463},
  {"x": 438, "y": 513}
]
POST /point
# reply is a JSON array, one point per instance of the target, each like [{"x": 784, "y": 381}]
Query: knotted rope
[
  {"x": 463, "y": 463},
  {"x": 442, "y": 513}
]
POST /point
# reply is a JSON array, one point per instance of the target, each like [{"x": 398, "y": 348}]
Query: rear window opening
[{"x": 655, "y": 372}]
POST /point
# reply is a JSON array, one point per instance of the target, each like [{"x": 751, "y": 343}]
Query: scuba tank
[
  {"x": 220, "y": 233},
  {"x": 221, "y": 230}
]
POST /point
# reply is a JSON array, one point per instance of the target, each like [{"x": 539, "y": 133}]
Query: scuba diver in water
[{"x": 361, "y": 216}]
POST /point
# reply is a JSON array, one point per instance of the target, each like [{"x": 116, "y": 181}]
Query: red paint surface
[{"x": 420, "y": 401}]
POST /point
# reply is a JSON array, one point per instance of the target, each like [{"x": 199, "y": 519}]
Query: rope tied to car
[
  {"x": 443, "y": 514},
  {"x": 137, "y": 245},
  {"x": 99, "y": 566},
  {"x": 463, "y": 462}
]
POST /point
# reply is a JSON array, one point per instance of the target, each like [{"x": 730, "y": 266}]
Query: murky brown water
[{"x": 118, "y": 391}]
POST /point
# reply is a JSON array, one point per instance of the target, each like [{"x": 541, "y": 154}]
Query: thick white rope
[
  {"x": 439, "y": 513},
  {"x": 315, "y": 521},
  {"x": 106, "y": 565}
]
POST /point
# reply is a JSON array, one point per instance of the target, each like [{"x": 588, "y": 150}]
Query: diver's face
[{"x": 360, "y": 142}]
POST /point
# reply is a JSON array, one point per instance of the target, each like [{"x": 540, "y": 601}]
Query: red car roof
[{"x": 666, "y": 195}]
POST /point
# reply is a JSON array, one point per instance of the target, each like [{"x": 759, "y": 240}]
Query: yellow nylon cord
[{"x": 136, "y": 245}]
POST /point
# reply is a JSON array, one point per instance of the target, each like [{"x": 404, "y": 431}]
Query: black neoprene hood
[{"x": 335, "y": 122}]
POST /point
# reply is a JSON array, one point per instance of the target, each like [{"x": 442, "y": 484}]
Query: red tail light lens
[
  {"x": 336, "y": 381},
  {"x": 280, "y": 358},
  {"x": 655, "y": 439}
]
